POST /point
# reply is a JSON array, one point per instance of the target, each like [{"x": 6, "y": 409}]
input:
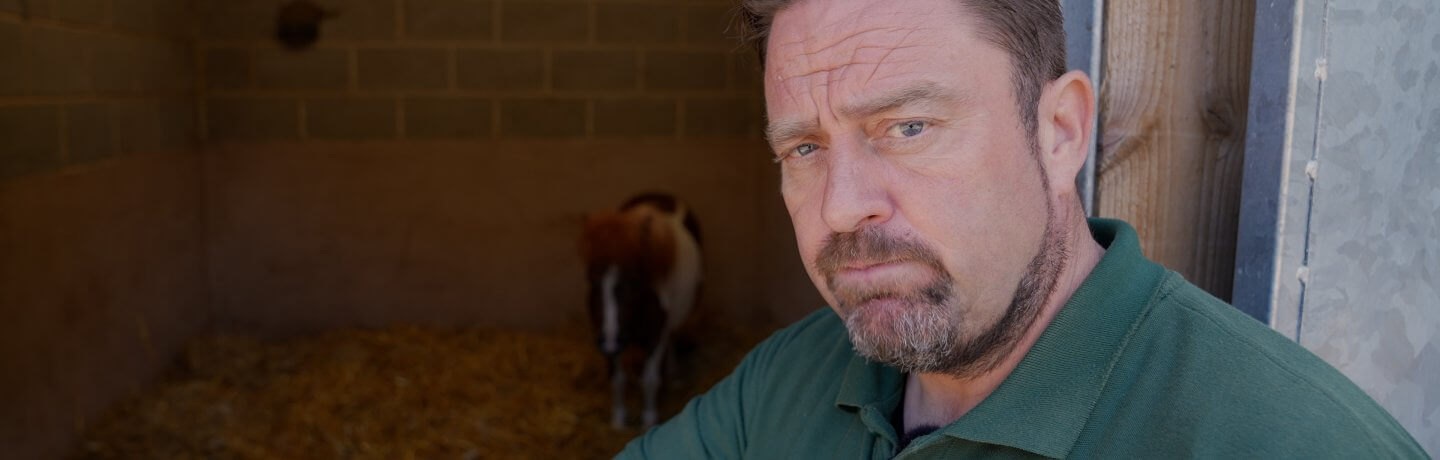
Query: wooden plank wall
[{"x": 1172, "y": 109}]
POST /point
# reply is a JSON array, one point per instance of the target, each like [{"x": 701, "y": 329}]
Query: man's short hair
[{"x": 1031, "y": 31}]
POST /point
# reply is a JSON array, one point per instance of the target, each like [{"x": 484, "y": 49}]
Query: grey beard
[{"x": 926, "y": 333}]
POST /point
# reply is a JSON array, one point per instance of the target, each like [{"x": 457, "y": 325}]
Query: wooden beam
[{"x": 1173, "y": 108}]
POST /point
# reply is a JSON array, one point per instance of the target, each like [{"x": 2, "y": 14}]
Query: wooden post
[{"x": 1172, "y": 108}]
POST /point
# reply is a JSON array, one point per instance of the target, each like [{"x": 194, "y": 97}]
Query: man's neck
[{"x": 939, "y": 399}]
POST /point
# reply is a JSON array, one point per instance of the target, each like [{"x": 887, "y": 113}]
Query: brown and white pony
[{"x": 643, "y": 263}]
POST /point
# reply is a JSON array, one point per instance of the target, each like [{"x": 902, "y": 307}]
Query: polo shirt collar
[
  {"x": 873, "y": 391},
  {"x": 1045, "y": 402}
]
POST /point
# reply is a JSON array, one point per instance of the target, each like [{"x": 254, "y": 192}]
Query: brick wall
[
  {"x": 403, "y": 170},
  {"x": 476, "y": 69},
  {"x": 85, "y": 80},
  {"x": 429, "y": 160},
  {"x": 102, "y": 267}
]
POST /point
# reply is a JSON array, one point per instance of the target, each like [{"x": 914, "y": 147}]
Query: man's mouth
[
  {"x": 862, "y": 266},
  {"x": 889, "y": 271}
]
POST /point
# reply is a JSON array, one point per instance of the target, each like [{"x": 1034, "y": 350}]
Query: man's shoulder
[
  {"x": 1229, "y": 373},
  {"x": 820, "y": 332},
  {"x": 1192, "y": 322}
]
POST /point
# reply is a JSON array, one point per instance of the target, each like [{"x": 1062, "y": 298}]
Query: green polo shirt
[{"x": 1138, "y": 364}]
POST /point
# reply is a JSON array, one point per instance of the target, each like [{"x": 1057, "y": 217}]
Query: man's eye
[
  {"x": 907, "y": 129},
  {"x": 806, "y": 149}
]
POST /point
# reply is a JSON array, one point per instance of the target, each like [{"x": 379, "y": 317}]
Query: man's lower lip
[
  {"x": 887, "y": 271},
  {"x": 872, "y": 267}
]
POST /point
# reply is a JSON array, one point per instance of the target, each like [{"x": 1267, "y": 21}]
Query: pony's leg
[
  {"x": 617, "y": 395},
  {"x": 651, "y": 379}
]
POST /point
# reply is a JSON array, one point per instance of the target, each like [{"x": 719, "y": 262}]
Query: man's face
[{"x": 918, "y": 202}]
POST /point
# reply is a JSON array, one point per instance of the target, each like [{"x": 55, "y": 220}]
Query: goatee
[{"x": 926, "y": 331}]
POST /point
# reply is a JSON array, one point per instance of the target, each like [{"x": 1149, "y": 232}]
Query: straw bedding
[{"x": 397, "y": 393}]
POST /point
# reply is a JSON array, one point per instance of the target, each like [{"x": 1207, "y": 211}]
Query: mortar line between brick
[
  {"x": 400, "y": 117},
  {"x": 202, "y": 117},
  {"x": 640, "y": 64},
  {"x": 112, "y": 144},
  {"x": 494, "y": 118},
  {"x": 200, "y": 66},
  {"x": 21, "y": 100},
  {"x": 334, "y": 93},
  {"x": 495, "y": 22},
  {"x": 547, "y": 69},
  {"x": 353, "y": 64},
  {"x": 452, "y": 72},
  {"x": 400, "y": 31},
  {"x": 96, "y": 29},
  {"x": 481, "y": 44},
  {"x": 250, "y": 68},
  {"x": 685, "y": 27},
  {"x": 590, "y": 118},
  {"x": 303, "y": 131},
  {"x": 591, "y": 22},
  {"x": 63, "y": 132},
  {"x": 680, "y": 127},
  {"x": 731, "y": 68},
  {"x": 200, "y": 81}
]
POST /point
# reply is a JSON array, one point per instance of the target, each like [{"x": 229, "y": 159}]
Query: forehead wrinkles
[
  {"x": 855, "y": 41},
  {"x": 843, "y": 53}
]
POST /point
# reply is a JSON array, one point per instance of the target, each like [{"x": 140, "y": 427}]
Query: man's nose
[{"x": 856, "y": 194}]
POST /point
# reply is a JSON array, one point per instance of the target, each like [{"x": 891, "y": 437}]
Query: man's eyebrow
[
  {"x": 784, "y": 131},
  {"x": 919, "y": 92}
]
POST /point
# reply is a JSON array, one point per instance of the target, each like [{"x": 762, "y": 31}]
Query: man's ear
[{"x": 1066, "y": 117}]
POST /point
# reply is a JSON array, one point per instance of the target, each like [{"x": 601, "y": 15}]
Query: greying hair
[{"x": 1032, "y": 32}]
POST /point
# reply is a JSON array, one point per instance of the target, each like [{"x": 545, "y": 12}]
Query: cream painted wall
[{"x": 309, "y": 236}]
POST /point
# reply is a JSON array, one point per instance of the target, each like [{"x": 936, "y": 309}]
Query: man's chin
[
  {"x": 889, "y": 329},
  {"x": 875, "y": 307},
  {"x": 871, "y": 320},
  {"x": 880, "y": 316}
]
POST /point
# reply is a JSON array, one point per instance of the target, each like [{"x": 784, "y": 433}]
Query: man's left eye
[{"x": 907, "y": 129}]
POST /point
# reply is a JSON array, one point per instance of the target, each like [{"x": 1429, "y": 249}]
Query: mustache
[{"x": 871, "y": 245}]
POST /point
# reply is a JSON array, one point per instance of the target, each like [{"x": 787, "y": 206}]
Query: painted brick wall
[
  {"x": 86, "y": 80},
  {"x": 102, "y": 267},
  {"x": 165, "y": 168},
  {"x": 474, "y": 69},
  {"x": 428, "y": 161}
]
